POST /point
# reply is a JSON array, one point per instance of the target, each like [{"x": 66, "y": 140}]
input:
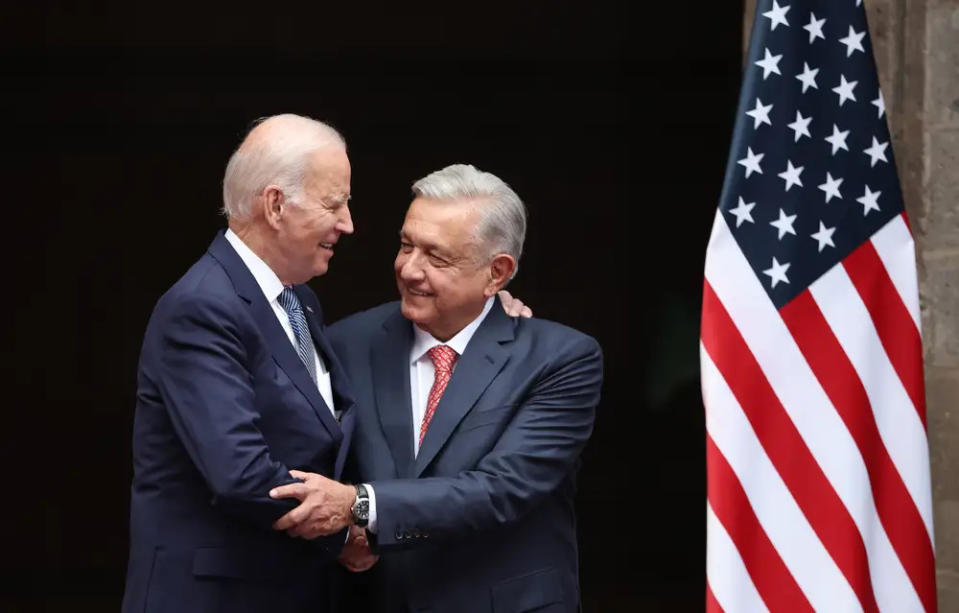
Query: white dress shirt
[
  {"x": 422, "y": 374},
  {"x": 272, "y": 288}
]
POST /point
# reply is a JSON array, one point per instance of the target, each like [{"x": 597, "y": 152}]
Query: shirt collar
[
  {"x": 424, "y": 341},
  {"x": 261, "y": 271}
]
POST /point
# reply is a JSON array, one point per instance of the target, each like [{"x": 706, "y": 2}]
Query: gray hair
[
  {"x": 276, "y": 151},
  {"x": 502, "y": 223}
]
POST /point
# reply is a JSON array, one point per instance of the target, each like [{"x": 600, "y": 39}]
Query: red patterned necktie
[{"x": 443, "y": 358}]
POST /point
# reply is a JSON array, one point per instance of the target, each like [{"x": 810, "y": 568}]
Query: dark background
[{"x": 611, "y": 119}]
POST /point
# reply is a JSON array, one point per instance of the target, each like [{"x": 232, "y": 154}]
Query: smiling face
[
  {"x": 443, "y": 276},
  {"x": 306, "y": 231}
]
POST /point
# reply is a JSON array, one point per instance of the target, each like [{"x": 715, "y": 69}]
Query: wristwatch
[{"x": 361, "y": 506}]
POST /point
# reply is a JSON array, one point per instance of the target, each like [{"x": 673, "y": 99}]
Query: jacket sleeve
[
  {"x": 536, "y": 452},
  {"x": 205, "y": 382}
]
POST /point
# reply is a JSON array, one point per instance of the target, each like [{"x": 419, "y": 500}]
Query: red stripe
[
  {"x": 785, "y": 447},
  {"x": 905, "y": 219},
  {"x": 897, "y": 330},
  {"x": 769, "y": 574},
  {"x": 712, "y": 605},
  {"x": 897, "y": 511}
]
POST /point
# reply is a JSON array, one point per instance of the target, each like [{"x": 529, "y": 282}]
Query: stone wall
[{"x": 916, "y": 43}]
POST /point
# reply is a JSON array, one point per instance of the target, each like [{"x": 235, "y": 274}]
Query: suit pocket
[
  {"x": 528, "y": 592},
  {"x": 485, "y": 416}
]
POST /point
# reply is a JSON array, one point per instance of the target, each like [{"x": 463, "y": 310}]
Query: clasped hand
[
  {"x": 324, "y": 509},
  {"x": 324, "y": 505}
]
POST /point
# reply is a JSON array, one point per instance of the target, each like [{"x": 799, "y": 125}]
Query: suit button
[
  {"x": 416, "y": 533},
  {"x": 406, "y": 535},
  {"x": 399, "y": 534}
]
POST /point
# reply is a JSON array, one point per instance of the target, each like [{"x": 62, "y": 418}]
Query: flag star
[
  {"x": 777, "y": 15},
  {"x": 880, "y": 104},
  {"x": 808, "y": 77},
  {"x": 760, "y": 114},
  {"x": 853, "y": 41},
  {"x": 784, "y": 224},
  {"x": 838, "y": 139},
  {"x": 770, "y": 64},
  {"x": 743, "y": 212},
  {"x": 869, "y": 201},
  {"x": 800, "y": 126},
  {"x": 778, "y": 272},
  {"x": 844, "y": 89},
  {"x": 824, "y": 236},
  {"x": 877, "y": 151},
  {"x": 751, "y": 162},
  {"x": 831, "y": 187},
  {"x": 791, "y": 175},
  {"x": 814, "y": 27}
]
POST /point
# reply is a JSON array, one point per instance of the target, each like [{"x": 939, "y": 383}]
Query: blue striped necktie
[{"x": 301, "y": 332}]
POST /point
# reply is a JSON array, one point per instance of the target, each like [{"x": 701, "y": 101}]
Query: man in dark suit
[
  {"x": 238, "y": 386},
  {"x": 470, "y": 423}
]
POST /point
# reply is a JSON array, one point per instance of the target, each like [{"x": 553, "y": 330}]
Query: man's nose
[
  {"x": 411, "y": 268},
  {"x": 345, "y": 226}
]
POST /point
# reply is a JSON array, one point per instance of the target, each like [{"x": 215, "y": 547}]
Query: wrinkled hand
[
  {"x": 324, "y": 506},
  {"x": 356, "y": 555},
  {"x": 514, "y": 307}
]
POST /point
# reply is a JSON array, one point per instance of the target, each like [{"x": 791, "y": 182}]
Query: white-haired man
[
  {"x": 470, "y": 423},
  {"x": 238, "y": 385}
]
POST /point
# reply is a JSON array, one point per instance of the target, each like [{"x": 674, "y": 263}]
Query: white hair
[
  {"x": 502, "y": 224},
  {"x": 279, "y": 156}
]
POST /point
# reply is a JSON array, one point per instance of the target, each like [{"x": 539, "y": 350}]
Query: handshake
[{"x": 325, "y": 508}]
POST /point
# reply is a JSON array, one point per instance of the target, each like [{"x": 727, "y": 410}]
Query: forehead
[
  {"x": 329, "y": 167},
  {"x": 447, "y": 223}
]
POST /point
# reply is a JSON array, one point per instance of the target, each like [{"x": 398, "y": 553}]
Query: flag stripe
[
  {"x": 728, "y": 501},
  {"x": 897, "y": 332},
  {"x": 733, "y": 589},
  {"x": 779, "y": 515},
  {"x": 897, "y": 251},
  {"x": 899, "y": 516},
  {"x": 712, "y": 605},
  {"x": 784, "y": 445},
  {"x": 892, "y": 411}
]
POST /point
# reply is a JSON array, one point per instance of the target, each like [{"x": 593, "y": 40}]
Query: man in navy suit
[
  {"x": 470, "y": 423},
  {"x": 238, "y": 386}
]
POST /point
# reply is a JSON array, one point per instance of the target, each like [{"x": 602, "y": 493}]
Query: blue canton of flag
[{"x": 811, "y": 173}]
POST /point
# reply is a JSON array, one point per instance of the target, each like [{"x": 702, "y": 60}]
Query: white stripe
[
  {"x": 899, "y": 425},
  {"x": 781, "y": 518},
  {"x": 800, "y": 393},
  {"x": 894, "y": 244},
  {"x": 726, "y": 573}
]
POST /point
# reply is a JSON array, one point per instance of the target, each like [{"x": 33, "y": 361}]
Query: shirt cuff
[{"x": 371, "y": 525}]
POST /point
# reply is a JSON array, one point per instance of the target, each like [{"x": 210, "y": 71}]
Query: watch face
[{"x": 363, "y": 508}]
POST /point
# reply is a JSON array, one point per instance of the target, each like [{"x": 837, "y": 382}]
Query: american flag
[{"x": 811, "y": 357}]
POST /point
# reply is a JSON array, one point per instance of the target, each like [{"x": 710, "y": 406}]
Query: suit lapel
[
  {"x": 481, "y": 362},
  {"x": 391, "y": 387},
  {"x": 339, "y": 381},
  {"x": 272, "y": 331}
]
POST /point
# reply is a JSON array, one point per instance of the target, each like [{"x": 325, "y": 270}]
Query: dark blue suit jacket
[
  {"x": 224, "y": 409},
  {"x": 482, "y": 520}
]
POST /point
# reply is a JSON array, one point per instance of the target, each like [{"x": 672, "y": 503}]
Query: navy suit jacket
[
  {"x": 482, "y": 519},
  {"x": 224, "y": 409}
]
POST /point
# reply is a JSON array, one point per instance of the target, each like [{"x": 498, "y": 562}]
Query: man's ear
[
  {"x": 273, "y": 203},
  {"x": 500, "y": 271}
]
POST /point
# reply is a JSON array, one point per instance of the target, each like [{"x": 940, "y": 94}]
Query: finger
[
  {"x": 290, "y": 490},
  {"x": 299, "y": 474},
  {"x": 284, "y": 523},
  {"x": 526, "y": 312},
  {"x": 293, "y": 518}
]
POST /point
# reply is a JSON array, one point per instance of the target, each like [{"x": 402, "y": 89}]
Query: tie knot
[
  {"x": 443, "y": 358},
  {"x": 288, "y": 300}
]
